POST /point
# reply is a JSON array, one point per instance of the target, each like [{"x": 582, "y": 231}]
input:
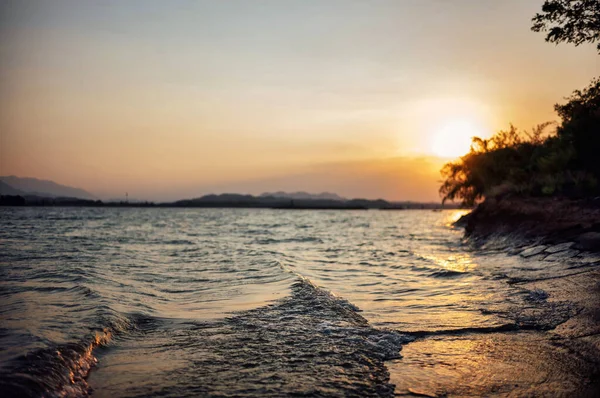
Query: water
[{"x": 240, "y": 302}]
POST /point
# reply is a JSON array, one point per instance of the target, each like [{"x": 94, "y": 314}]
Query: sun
[{"x": 452, "y": 138}]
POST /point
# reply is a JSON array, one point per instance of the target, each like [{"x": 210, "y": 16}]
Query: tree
[
  {"x": 491, "y": 163},
  {"x": 571, "y": 21},
  {"x": 581, "y": 126},
  {"x": 536, "y": 163}
]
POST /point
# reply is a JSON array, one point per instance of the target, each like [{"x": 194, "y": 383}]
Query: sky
[{"x": 176, "y": 99}]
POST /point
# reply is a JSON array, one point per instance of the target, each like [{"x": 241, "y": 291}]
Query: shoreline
[
  {"x": 228, "y": 201},
  {"x": 560, "y": 359},
  {"x": 546, "y": 221}
]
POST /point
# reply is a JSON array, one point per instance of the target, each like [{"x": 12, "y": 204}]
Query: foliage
[
  {"x": 534, "y": 163},
  {"x": 581, "y": 126},
  {"x": 537, "y": 164},
  {"x": 571, "y": 21}
]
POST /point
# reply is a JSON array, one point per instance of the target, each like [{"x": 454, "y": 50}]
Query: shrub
[{"x": 534, "y": 163}]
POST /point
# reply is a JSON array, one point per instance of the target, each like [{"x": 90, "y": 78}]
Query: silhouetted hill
[
  {"x": 125, "y": 199},
  {"x": 228, "y": 200},
  {"x": 6, "y": 189},
  {"x": 43, "y": 188},
  {"x": 249, "y": 201},
  {"x": 33, "y": 200},
  {"x": 303, "y": 195}
]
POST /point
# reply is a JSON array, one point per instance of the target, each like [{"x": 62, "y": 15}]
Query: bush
[{"x": 534, "y": 163}]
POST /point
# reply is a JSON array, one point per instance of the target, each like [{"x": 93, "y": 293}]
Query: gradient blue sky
[{"x": 168, "y": 99}]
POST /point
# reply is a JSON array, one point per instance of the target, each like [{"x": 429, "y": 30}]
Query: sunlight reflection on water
[{"x": 458, "y": 262}]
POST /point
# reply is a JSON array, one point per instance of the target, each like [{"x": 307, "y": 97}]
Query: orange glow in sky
[{"x": 175, "y": 99}]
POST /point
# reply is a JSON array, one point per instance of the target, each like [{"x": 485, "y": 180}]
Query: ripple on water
[
  {"x": 216, "y": 306},
  {"x": 310, "y": 343}
]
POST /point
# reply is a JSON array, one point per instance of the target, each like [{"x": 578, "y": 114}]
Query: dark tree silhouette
[
  {"x": 581, "y": 126},
  {"x": 571, "y": 21},
  {"x": 534, "y": 164}
]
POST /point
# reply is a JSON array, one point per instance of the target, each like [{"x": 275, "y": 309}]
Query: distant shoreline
[
  {"x": 228, "y": 201},
  {"x": 170, "y": 206}
]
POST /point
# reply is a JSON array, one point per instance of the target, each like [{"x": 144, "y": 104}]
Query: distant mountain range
[
  {"x": 270, "y": 201},
  {"x": 34, "y": 192},
  {"x": 12, "y": 185},
  {"x": 6, "y": 189},
  {"x": 303, "y": 195}
]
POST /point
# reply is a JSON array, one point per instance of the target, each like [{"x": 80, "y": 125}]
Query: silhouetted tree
[
  {"x": 506, "y": 162},
  {"x": 580, "y": 127},
  {"x": 534, "y": 164},
  {"x": 571, "y": 21}
]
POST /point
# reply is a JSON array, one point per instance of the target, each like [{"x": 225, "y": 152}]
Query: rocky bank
[
  {"x": 549, "y": 221},
  {"x": 553, "y": 230}
]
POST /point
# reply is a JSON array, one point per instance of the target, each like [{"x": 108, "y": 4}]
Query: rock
[
  {"x": 422, "y": 393},
  {"x": 579, "y": 262},
  {"x": 514, "y": 251},
  {"x": 589, "y": 241},
  {"x": 562, "y": 256},
  {"x": 532, "y": 251},
  {"x": 560, "y": 247},
  {"x": 589, "y": 258},
  {"x": 537, "y": 295},
  {"x": 462, "y": 221}
]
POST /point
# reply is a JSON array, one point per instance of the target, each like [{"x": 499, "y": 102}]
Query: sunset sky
[{"x": 172, "y": 99}]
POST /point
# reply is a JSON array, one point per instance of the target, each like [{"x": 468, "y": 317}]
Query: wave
[
  {"x": 294, "y": 346},
  {"x": 55, "y": 372},
  {"x": 269, "y": 241},
  {"x": 174, "y": 242},
  {"x": 60, "y": 370},
  {"x": 447, "y": 273},
  {"x": 508, "y": 327},
  {"x": 312, "y": 334}
]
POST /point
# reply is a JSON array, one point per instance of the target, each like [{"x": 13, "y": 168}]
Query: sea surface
[{"x": 128, "y": 302}]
